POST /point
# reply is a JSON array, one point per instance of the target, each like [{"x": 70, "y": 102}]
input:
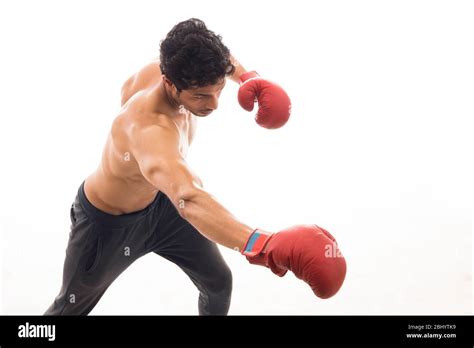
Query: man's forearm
[
  {"x": 213, "y": 221},
  {"x": 239, "y": 70}
]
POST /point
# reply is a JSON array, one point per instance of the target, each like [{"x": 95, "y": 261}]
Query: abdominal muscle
[
  {"x": 117, "y": 186},
  {"x": 117, "y": 196}
]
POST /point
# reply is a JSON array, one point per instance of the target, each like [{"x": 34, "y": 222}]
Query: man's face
[{"x": 201, "y": 101}]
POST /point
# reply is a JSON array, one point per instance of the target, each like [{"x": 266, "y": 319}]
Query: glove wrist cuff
[
  {"x": 248, "y": 75},
  {"x": 256, "y": 243}
]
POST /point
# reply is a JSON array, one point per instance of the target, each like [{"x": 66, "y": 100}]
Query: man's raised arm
[
  {"x": 239, "y": 70},
  {"x": 274, "y": 105}
]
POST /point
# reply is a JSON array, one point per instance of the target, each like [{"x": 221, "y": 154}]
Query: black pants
[{"x": 101, "y": 246}]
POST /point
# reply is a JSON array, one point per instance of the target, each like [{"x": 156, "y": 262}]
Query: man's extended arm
[
  {"x": 301, "y": 249},
  {"x": 162, "y": 165}
]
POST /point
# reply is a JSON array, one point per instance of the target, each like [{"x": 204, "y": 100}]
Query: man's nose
[{"x": 214, "y": 103}]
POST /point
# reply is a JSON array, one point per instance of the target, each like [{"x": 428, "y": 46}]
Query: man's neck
[
  {"x": 166, "y": 104},
  {"x": 172, "y": 102}
]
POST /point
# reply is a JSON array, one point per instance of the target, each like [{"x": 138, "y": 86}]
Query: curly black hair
[{"x": 193, "y": 56}]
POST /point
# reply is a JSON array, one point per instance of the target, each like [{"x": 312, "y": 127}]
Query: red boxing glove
[
  {"x": 309, "y": 251},
  {"x": 274, "y": 105}
]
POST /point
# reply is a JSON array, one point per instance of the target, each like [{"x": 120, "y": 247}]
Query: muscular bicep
[{"x": 155, "y": 148}]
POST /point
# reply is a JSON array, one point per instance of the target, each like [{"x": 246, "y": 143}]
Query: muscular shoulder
[
  {"x": 146, "y": 77},
  {"x": 130, "y": 126}
]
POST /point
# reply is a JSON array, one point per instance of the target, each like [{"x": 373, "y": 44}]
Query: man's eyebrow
[{"x": 209, "y": 94}]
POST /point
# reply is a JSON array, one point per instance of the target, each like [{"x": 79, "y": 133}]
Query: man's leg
[
  {"x": 95, "y": 256},
  {"x": 202, "y": 261},
  {"x": 179, "y": 242}
]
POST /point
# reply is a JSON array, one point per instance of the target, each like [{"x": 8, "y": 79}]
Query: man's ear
[
  {"x": 170, "y": 84},
  {"x": 167, "y": 81}
]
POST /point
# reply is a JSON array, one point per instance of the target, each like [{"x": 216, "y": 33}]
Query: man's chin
[{"x": 202, "y": 113}]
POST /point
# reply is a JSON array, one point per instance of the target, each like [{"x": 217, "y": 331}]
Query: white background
[{"x": 378, "y": 149}]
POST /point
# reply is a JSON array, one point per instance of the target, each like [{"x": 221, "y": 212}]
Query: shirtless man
[{"x": 144, "y": 198}]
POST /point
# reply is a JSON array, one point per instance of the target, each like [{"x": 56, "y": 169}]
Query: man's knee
[{"x": 222, "y": 282}]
